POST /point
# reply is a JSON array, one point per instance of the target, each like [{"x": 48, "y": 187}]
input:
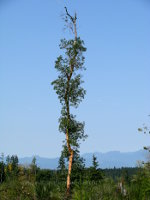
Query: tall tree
[{"x": 69, "y": 90}]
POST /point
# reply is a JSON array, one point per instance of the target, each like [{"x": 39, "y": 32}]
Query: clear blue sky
[{"x": 117, "y": 80}]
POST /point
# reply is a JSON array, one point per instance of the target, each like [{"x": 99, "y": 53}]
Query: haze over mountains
[{"x": 106, "y": 160}]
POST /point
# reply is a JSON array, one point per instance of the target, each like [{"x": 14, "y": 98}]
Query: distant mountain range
[{"x": 106, "y": 160}]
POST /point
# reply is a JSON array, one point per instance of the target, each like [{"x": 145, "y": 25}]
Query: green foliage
[
  {"x": 77, "y": 169},
  {"x": 15, "y": 189},
  {"x": 49, "y": 190},
  {"x": 75, "y": 129},
  {"x": 33, "y": 167},
  {"x": 61, "y": 163},
  {"x": 73, "y": 57},
  {"x": 2, "y": 172},
  {"x": 11, "y": 167},
  {"x": 87, "y": 183},
  {"x": 68, "y": 85},
  {"x": 93, "y": 174},
  {"x": 62, "y": 170},
  {"x": 140, "y": 185},
  {"x": 115, "y": 173},
  {"x": 70, "y": 93},
  {"x": 44, "y": 175},
  {"x": 95, "y": 191},
  {"x": 68, "y": 88},
  {"x": 95, "y": 162}
]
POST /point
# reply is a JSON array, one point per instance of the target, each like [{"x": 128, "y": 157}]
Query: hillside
[{"x": 106, "y": 160}]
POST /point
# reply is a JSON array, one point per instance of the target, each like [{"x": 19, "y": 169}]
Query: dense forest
[{"x": 18, "y": 182}]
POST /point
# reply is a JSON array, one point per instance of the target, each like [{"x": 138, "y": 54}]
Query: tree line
[{"x": 32, "y": 183}]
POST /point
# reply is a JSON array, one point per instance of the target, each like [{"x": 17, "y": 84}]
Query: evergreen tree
[
  {"x": 33, "y": 166},
  {"x": 61, "y": 163},
  {"x": 95, "y": 162},
  {"x": 61, "y": 167},
  {"x": 14, "y": 161},
  {"x": 2, "y": 168},
  {"x": 78, "y": 167},
  {"x": 95, "y": 173}
]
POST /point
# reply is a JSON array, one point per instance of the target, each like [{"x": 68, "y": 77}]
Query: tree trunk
[
  {"x": 69, "y": 172},
  {"x": 69, "y": 164}
]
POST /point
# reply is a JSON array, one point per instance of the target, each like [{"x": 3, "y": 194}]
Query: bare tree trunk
[
  {"x": 69, "y": 164},
  {"x": 69, "y": 172}
]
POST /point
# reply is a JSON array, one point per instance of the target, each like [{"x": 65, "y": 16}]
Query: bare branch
[{"x": 73, "y": 20}]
